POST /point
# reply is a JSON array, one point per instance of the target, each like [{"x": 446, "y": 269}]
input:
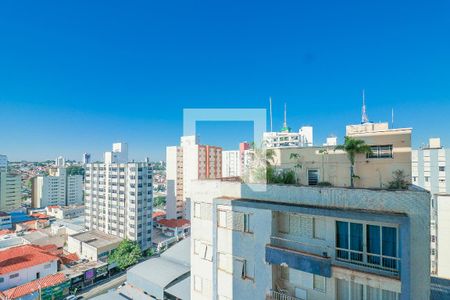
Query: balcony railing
[
  {"x": 273, "y": 295},
  {"x": 370, "y": 260}
]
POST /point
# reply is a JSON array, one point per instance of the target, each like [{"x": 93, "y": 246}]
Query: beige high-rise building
[
  {"x": 10, "y": 187},
  {"x": 187, "y": 162}
]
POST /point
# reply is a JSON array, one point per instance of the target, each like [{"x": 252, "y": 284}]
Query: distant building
[
  {"x": 10, "y": 191},
  {"x": 231, "y": 163},
  {"x": 187, "y": 162},
  {"x": 118, "y": 155},
  {"x": 431, "y": 171},
  {"x": 119, "y": 197},
  {"x": 5, "y": 221},
  {"x": 60, "y": 162},
  {"x": 57, "y": 189},
  {"x": 3, "y": 163},
  {"x": 65, "y": 212},
  {"x": 86, "y": 158},
  {"x": 22, "y": 264},
  {"x": 93, "y": 245}
]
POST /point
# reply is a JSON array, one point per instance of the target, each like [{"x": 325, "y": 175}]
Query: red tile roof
[
  {"x": 173, "y": 223},
  {"x": 5, "y": 231},
  {"x": 39, "y": 216},
  {"x": 18, "y": 258},
  {"x": 33, "y": 286},
  {"x": 68, "y": 258},
  {"x": 158, "y": 214}
]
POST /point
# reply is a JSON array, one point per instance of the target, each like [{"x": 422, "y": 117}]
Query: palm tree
[
  {"x": 298, "y": 165},
  {"x": 353, "y": 147}
]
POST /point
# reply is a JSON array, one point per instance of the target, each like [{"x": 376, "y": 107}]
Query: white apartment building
[
  {"x": 86, "y": 158},
  {"x": 231, "y": 163},
  {"x": 431, "y": 171},
  {"x": 313, "y": 243},
  {"x": 60, "y": 162},
  {"x": 57, "y": 189},
  {"x": 118, "y": 155},
  {"x": 10, "y": 191},
  {"x": 184, "y": 163},
  {"x": 286, "y": 138},
  {"x": 119, "y": 198}
]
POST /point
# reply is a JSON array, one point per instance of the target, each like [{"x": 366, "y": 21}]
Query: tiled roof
[
  {"x": 158, "y": 214},
  {"x": 33, "y": 286},
  {"x": 5, "y": 231},
  {"x": 18, "y": 258},
  {"x": 173, "y": 223},
  {"x": 71, "y": 257},
  {"x": 39, "y": 216}
]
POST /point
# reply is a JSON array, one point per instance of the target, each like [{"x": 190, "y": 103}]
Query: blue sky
[{"x": 76, "y": 76}]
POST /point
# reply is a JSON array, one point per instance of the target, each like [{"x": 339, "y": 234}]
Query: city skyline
[{"x": 77, "y": 80}]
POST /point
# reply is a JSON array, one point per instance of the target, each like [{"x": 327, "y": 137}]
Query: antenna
[
  {"x": 271, "y": 127},
  {"x": 364, "y": 118},
  {"x": 392, "y": 118}
]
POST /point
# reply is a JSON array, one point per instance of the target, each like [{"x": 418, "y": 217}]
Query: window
[
  {"x": 384, "y": 151},
  {"x": 247, "y": 223},
  {"x": 283, "y": 223},
  {"x": 319, "y": 228},
  {"x": 319, "y": 283},
  {"x": 427, "y": 178},
  {"x": 197, "y": 210},
  {"x": 225, "y": 262},
  {"x": 381, "y": 244},
  {"x": 441, "y": 169},
  {"x": 47, "y": 266},
  {"x": 240, "y": 268},
  {"x": 197, "y": 284},
  {"x": 222, "y": 218},
  {"x": 13, "y": 275},
  {"x": 313, "y": 177}
]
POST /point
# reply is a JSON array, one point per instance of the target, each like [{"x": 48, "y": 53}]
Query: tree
[
  {"x": 298, "y": 165},
  {"x": 399, "y": 181},
  {"x": 128, "y": 253},
  {"x": 75, "y": 170},
  {"x": 159, "y": 201},
  {"x": 353, "y": 147}
]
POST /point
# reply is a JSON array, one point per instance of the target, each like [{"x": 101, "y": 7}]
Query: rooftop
[
  {"x": 21, "y": 257},
  {"x": 174, "y": 223},
  {"x": 96, "y": 238},
  {"x": 34, "y": 286},
  {"x": 157, "y": 214}
]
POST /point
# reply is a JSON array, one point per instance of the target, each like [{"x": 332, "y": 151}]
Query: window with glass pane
[
  {"x": 356, "y": 291},
  {"x": 389, "y": 295},
  {"x": 389, "y": 246},
  {"x": 342, "y": 239},
  {"x": 313, "y": 177},
  {"x": 373, "y": 244},
  {"x": 356, "y": 241},
  {"x": 342, "y": 291},
  {"x": 373, "y": 293}
]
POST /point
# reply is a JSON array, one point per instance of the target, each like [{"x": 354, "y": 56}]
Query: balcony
[
  {"x": 306, "y": 262},
  {"x": 373, "y": 261},
  {"x": 273, "y": 295}
]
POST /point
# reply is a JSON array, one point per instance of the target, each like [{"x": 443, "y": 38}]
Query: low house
[
  {"x": 65, "y": 212},
  {"x": 5, "y": 220},
  {"x": 157, "y": 216},
  {"x": 22, "y": 264},
  {"x": 93, "y": 244},
  {"x": 174, "y": 227},
  {"x": 54, "y": 286}
]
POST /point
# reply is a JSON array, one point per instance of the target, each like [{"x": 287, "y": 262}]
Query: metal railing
[
  {"x": 370, "y": 260},
  {"x": 274, "y": 295}
]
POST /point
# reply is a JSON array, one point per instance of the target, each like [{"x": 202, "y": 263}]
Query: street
[{"x": 104, "y": 286}]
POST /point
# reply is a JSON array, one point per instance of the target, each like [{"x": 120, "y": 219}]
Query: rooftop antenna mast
[
  {"x": 364, "y": 118},
  {"x": 271, "y": 127},
  {"x": 392, "y": 118}
]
